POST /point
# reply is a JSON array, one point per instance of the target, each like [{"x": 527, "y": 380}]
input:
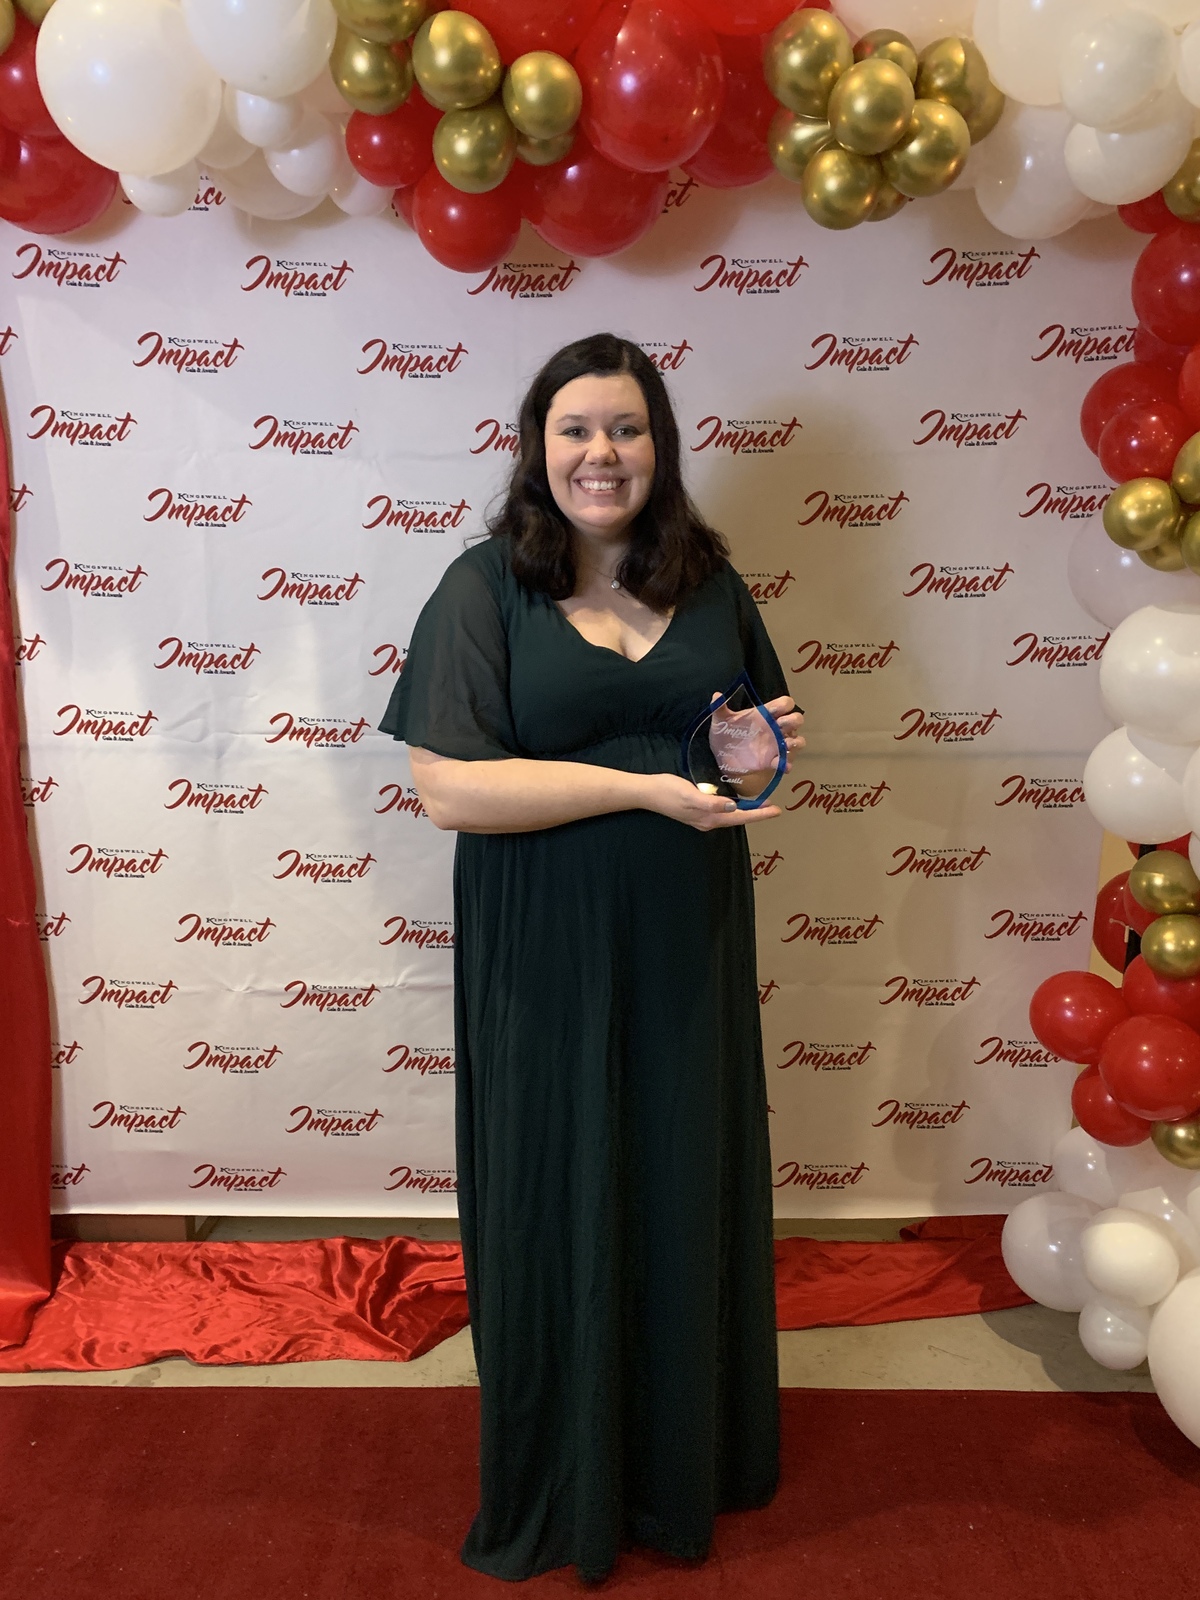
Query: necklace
[{"x": 614, "y": 583}]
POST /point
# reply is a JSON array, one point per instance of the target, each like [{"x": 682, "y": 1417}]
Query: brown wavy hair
[{"x": 672, "y": 550}]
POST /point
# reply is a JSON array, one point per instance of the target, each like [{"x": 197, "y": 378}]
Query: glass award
[{"x": 735, "y": 747}]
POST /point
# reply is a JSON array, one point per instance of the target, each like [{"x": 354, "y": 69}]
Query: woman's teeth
[{"x": 598, "y": 485}]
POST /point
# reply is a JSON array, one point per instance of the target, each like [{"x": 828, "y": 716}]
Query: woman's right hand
[{"x": 681, "y": 801}]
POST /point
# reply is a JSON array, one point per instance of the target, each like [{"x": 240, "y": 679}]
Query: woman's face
[{"x": 599, "y": 453}]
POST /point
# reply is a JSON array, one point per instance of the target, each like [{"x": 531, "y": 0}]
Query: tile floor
[{"x": 1028, "y": 1348}]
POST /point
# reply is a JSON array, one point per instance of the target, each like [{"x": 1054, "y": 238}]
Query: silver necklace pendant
[{"x": 616, "y": 584}]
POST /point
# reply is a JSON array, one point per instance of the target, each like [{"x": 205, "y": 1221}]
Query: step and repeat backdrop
[{"x": 243, "y": 455}]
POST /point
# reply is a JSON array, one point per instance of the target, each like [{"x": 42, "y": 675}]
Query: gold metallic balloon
[
  {"x": 841, "y": 187},
  {"x": 35, "y": 10},
  {"x": 981, "y": 121},
  {"x": 793, "y": 141},
  {"x": 885, "y": 44},
  {"x": 1182, "y": 190},
  {"x": 1142, "y": 513},
  {"x": 1165, "y": 557},
  {"x": 1189, "y": 543},
  {"x": 889, "y": 203},
  {"x": 383, "y": 21},
  {"x": 475, "y": 149},
  {"x": 804, "y": 58},
  {"x": 8, "y": 25},
  {"x": 953, "y": 71},
  {"x": 932, "y": 151},
  {"x": 542, "y": 95},
  {"x": 545, "y": 152},
  {"x": 1165, "y": 883},
  {"x": 1185, "y": 474},
  {"x": 371, "y": 77},
  {"x": 1171, "y": 946},
  {"x": 870, "y": 106},
  {"x": 456, "y": 61},
  {"x": 1178, "y": 1142}
]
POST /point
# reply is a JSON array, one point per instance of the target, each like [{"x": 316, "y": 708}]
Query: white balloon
[
  {"x": 308, "y": 163},
  {"x": 1022, "y": 183},
  {"x": 1114, "y": 66},
  {"x": 1150, "y": 673},
  {"x": 1116, "y": 168},
  {"x": 1174, "y": 1355},
  {"x": 226, "y": 148},
  {"x": 922, "y": 21},
  {"x": 167, "y": 195},
  {"x": 1189, "y": 63},
  {"x": 1114, "y": 1333},
  {"x": 1081, "y": 1168},
  {"x": 1021, "y": 41},
  {"x": 254, "y": 188},
  {"x": 1175, "y": 13},
  {"x": 351, "y": 193},
  {"x": 1191, "y": 794},
  {"x": 262, "y": 122},
  {"x": 1130, "y": 796},
  {"x": 1042, "y": 1249},
  {"x": 323, "y": 95},
  {"x": 1139, "y": 1166},
  {"x": 1156, "y": 1202},
  {"x": 1129, "y": 1256},
  {"x": 1111, "y": 583},
  {"x": 1172, "y": 758},
  {"x": 268, "y": 47},
  {"x": 124, "y": 82}
]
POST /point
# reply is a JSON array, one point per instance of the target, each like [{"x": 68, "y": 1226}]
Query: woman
[{"x": 613, "y": 1165}]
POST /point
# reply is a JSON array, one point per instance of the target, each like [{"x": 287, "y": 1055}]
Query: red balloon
[
  {"x": 1142, "y": 440},
  {"x": 1109, "y": 932},
  {"x": 735, "y": 152},
  {"x": 1072, "y": 1013},
  {"x": 1151, "y": 1066},
  {"x": 466, "y": 232},
  {"x": 746, "y": 16},
  {"x": 1099, "y": 1114},
  {"x": 21, "y": 105},
  {"x": 1151, "y": 215},
  {"x": 586, "y": 206},
  {"x": 521, "y": 25},
  {"x": 1180, "y": 845},
  {"x": 1146, "y": 347},
  {"x": 1166, "y": 285},
  {"x": 1146, "y": 994},
  {"x": 652, "y": 80},
  {"x": 393, "y": 151},
  {"x": 402, "y": 203},
  {"x": 1132, "y": 383},
  {"x": 51, "y": 187},
  {"x": 1189, "y": 386}
]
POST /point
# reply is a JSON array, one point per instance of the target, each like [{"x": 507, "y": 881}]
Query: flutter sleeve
[
  {"x": 762, "y": 663},
  {"x": 452, "y": 693}
]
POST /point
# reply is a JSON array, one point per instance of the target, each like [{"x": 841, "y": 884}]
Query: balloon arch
[{"x": 569, "y": 114}]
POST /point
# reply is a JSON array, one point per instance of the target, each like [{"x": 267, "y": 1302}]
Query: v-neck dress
[{"x": 614, "y": 1185}]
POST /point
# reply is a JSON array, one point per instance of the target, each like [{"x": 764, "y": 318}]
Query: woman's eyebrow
[{"x": 579, "y": 416}]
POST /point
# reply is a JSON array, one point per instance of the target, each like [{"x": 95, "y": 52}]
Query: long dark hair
[{"x": 671, "y": 547}]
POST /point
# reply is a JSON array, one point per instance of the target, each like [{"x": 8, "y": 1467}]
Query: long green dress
[{"x": 614, "y": 1185}]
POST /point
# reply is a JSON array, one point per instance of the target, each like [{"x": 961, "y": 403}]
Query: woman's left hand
[{"x": 790, "y": 722}]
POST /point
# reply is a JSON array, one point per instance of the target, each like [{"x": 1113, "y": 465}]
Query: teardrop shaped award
[{"x": 735, "y": 747}]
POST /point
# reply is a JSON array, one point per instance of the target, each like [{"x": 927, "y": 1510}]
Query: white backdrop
[{"x": 243, "y": 454}]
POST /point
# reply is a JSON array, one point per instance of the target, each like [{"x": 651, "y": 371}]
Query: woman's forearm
[{"x": 520, "y": 796}]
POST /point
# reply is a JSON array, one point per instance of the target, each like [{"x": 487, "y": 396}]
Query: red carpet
[
  {"x": 346, "y": 1494},
  {"x": 122, "y": 1305}
]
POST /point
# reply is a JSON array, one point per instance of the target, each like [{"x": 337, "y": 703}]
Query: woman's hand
[
  {"x": 790, "y": 722},
  {"x": 681, "y": 801}
]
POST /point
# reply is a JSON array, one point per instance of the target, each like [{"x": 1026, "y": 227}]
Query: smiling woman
[{"x": 613, "y": 1163}]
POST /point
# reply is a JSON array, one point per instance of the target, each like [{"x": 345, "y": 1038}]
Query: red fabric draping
[
  {"x": 24, "y": 1009},
  {"x": 945, "y": 1267},
  {"x": 122, "y": 1305}
]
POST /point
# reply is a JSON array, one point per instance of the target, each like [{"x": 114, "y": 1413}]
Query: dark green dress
[{"x": 614, "y": 1184}]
